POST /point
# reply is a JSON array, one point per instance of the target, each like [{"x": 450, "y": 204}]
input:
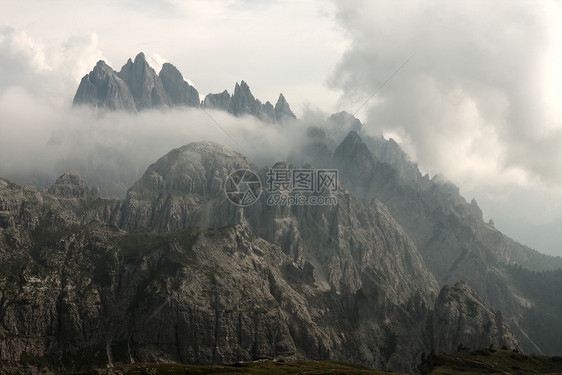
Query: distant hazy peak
[
  {"x": 71, "y": 185},
  {"x": 283, "y": 110},
  {"x": 346, "y": 120},
  {"x": 243, "y": 102},
  {"x": 353, "y": 150}
]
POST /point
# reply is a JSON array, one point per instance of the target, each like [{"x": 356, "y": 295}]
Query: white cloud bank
[{"x": 480, "y": 101}]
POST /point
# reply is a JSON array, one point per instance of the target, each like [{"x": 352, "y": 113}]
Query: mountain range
[
  {"x": 401, "y": 266},
  {"x": 137, "y": 87}
]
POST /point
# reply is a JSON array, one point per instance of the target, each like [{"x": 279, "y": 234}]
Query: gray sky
[
  {"x": 285, "y": 46},
  {"x": 480, "y": 101}
]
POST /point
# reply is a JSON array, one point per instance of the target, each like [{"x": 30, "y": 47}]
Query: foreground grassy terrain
[
  {"x": 490, "y": 361},
  {"x": 258, "y": 367},
  {"x": 464, "y": 362}
]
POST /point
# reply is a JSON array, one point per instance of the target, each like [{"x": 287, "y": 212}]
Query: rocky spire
[
  {"x": 104, "y": 89},
  {"x": 179, "y": 91},
  {"x": 243, "y": 102},
  {"x": 146, "y": 87},
  {"x": 138, "y": 87},
  {"x": 283, "y": 110}
]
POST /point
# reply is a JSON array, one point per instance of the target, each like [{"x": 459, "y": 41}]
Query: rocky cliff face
[
  {"x": 103, "y": 88},
  {"x": 184, "y": 189},
  {"x": 87, "y": 281},
  {"x": 460, "y": 315}
]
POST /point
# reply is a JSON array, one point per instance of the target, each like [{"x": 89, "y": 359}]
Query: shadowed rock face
[
  {"x": 460, "y": 316},
  {"x": 81, "y": 286},
  {"x": 179, "y": 91},
  {"x": 283, "y": 110},
  {"x": 103, "y": 88},
  {"x": 145, "y": 86}
]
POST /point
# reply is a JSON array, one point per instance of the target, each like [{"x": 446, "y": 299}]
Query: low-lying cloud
[
  {"x": 43, "y": 137},
  {"x": 112, "y": 149},
  {"x": 480, "y": 99}
]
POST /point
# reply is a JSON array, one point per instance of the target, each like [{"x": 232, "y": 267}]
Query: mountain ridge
[{"x": 137, "y": 87}]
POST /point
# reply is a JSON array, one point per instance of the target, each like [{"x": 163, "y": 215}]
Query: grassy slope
[
  {"x": 465, "y": 362},
  {"x": 491, "y": 362},
  {"x": 259, "y": 367}
]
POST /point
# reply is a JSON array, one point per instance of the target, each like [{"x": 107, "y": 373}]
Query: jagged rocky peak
[
  {"x": 474, "y": 210},
  {"x": 283, "y": 110},
  {"x": 360, "y": 169},
  {"x": 146, "y": 87},
  {"x": 137, "y": 86},
  {"x": 71, "y": 185},
  {"x": 269, "y": 111},
  {"x": 460, "y": 316},
  {"x": 179, "y": 91},
  {"x": 102, "y": 88},
  {"x": 242, "y": 102}
]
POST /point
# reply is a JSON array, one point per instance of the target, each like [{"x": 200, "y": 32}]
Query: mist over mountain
[{"x": 170, "y": 270}]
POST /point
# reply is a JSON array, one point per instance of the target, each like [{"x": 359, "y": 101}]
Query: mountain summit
[
  {"x": 145, "y": 86},
  {"x": 135, "y": 87},
  {"x": 103, "y": 88}
]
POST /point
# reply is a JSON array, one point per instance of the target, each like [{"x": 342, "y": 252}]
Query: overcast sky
[{"x": 479, "y": 98}]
